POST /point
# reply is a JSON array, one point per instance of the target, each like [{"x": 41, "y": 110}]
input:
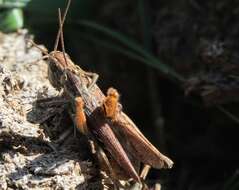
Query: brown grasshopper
[{"x": 100, "y": 117}]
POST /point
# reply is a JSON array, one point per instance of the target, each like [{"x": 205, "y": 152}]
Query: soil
[{"x": 31, "y": 156}]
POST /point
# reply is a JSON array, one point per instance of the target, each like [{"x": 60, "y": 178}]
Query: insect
[
  {"x": 100, "y": 117},
  {"x": 97, "y": 122}
]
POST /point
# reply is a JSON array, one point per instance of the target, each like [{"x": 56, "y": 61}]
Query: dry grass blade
[{"x": 61, "y": 26}]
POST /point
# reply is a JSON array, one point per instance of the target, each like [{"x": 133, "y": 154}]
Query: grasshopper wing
[{"x": 144, "y": 150}]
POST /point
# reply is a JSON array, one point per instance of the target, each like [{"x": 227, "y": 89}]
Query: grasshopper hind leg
[{"x": 107, "y": 174}]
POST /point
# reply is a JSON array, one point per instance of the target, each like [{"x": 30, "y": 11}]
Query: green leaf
[{"x": 11, "y": 20}]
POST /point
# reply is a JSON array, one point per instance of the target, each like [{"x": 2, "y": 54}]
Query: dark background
[{"x": 188, "y": 110}]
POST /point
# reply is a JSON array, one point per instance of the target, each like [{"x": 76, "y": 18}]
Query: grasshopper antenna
[
  {"x": 60, "y": 28},
  {"x": 62, "y": 36},
  {"x": 45, "y": 52}
]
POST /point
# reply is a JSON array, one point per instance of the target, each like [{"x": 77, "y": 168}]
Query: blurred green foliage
[
  {"x": 13, "y": 3},
  {"x": 11, "y": 14},
  {"x": 11, "y": 20}
]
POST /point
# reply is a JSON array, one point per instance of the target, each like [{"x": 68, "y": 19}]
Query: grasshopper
[{"x": 100, "y": 117}]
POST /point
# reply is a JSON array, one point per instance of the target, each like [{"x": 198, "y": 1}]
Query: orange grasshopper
[{"x": 100, "y": 117}]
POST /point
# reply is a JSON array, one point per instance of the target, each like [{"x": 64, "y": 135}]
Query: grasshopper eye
[{"x": 63, "y": 78}]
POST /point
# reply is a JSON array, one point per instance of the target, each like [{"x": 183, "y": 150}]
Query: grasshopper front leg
[
  {"x": 94, "y": 76},
  {"x": 93, "y": 79},
  {"x": 79, "y": 119}
]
